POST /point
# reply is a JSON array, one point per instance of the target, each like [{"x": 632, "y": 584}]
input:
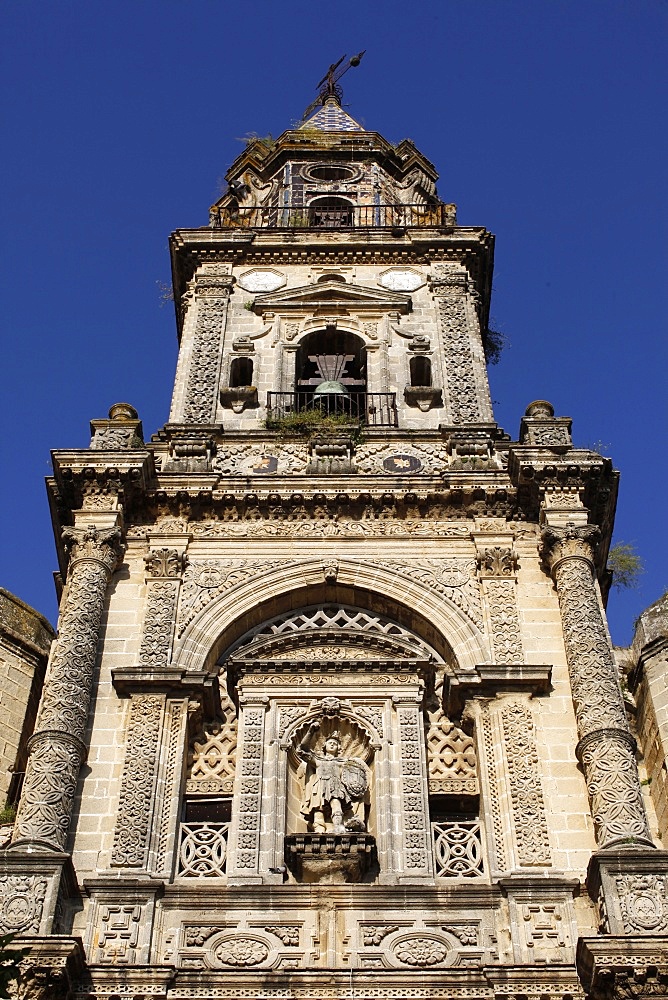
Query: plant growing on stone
[{"x": 626, "y": 566}]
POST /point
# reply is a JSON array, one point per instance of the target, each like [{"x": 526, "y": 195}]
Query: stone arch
[{"x": 278, "y": 586}]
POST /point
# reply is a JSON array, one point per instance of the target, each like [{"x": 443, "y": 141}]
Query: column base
[
  {"x": 38, "y": 891},
  {"x": 629, "y": 885}
]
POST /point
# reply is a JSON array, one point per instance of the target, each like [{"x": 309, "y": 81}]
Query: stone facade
[
  {"x": 25, "y": 640},
  {"x": 333, "y": 710}
]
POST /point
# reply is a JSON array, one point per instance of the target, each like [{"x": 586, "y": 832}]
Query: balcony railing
[
  {"x": 458, "y": 849},
  {"x": 202, "y": 850},
  {"x": 375, "y": 409},
  {"x": 320, "y": 216}
]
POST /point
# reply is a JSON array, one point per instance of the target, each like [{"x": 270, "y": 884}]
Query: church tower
[{"x": 333, "y": 710}]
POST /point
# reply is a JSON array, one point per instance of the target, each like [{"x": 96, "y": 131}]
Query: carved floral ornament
[{"x": 90, "y": 543}]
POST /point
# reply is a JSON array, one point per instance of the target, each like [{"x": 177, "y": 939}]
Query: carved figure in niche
[{"x": 336, "y": 786}]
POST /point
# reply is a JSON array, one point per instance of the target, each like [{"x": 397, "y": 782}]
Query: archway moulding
[{"x": 273, "y": 590}]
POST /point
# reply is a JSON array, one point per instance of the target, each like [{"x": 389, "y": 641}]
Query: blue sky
[{"x": 546, "y": 121}]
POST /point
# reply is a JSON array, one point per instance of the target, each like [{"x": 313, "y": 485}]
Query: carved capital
[
  {"x": 570, "y": 542},
  {"x": 89, "y": 543},
  {"x": 164, "y": 564},
  {"x": 497, "y": 561}
]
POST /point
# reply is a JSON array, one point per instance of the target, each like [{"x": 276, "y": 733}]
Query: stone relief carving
[
  {"x": 414, "y": 818},
  {"x": 531, "y": 836},
  {"x": 249, "y": 800},
  {"x": 194, "y": 935},
  {"x": 131, "y": 837},
  {"x": 336, "y": 786},
  {"x": 327, "y": 528},
  {"x": 467, "y": 934},
  {"x": 115, "y": 439},
  {"x": 158, "y": 623},
  {"x": 246, "y": 460},
  {"x": 240, "y": 952},
  {"x": 171, "y": 781},
  {"x": 606, "y": 748},
  {"x": 119, "y": 932},
  {"x": 421, "y": 951},
  {"x": 550, "y": 436},
  {"x": 374, "y": 934},
  {"x": 451, "y": 757},
  {"x": 164, "y": 563},
  {"x": 504, "y": 620},
  {"x": 450, "y": 293},
  {"x": 21, "y": 903},
  {"x": 493, "y": 800},
  {"x": 644, "y": 903},
  {"x": 212, "y": 755},
  {"x": 431, "y": 459},
  {"x": 200, "y": 401},
  {"x": 206, "y": 579},
  {"x": 497, "y": 561},
  {"x": 318, "y": 679},
  {"x": 287, "y": 933},
  {"x": 452, "y": 578},
  {"x": 57, "y": 748},
  {"x": 544, "y": 931}
]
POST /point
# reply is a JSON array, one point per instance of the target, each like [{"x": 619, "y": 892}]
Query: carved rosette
[
  {"x": 57, "y": 747},
  {"x": 212, "y": 293},
  {"x": 163, "y": 568},
  {"x": 606, "y": 749},
  {"x": 457, "y": 316}
]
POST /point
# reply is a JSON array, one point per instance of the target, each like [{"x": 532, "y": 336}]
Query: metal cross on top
[{"x": 328, "y": 86}]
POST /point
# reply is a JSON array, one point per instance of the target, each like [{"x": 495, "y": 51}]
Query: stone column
[
  {"x": 606, "y": 748},
  {"x": 57, "y": 748}
]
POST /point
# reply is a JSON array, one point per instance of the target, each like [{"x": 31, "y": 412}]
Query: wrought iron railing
[
  {"x": 319, "y": 216},
  {"x": 377, "y": 409},
  {"x": 202, "y": 850},
  {"x": 458, "y": 851}
]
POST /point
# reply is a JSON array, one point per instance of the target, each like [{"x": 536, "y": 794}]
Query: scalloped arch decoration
[{"x": 228, "y": 615}]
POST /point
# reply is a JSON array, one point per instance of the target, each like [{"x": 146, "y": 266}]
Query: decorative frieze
[
  {"x": 606, "y": 748},
  {"x": 131, "y": 839},
  {"x": 57, "y": 748}
]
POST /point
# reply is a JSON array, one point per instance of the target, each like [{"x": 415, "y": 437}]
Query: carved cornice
[
  {"x": 487, "y": 679},
  {"x": 571, "y": 542}
]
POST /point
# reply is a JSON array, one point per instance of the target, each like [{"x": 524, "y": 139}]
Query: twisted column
[
  {"x": 606, "y": 748},
  {"x": 57, "y": 748}
]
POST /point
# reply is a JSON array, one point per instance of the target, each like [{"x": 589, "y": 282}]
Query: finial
[{"x": 328, "y": 87}]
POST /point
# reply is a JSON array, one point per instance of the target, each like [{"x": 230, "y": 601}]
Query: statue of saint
[{"x": 336, "y": 787}]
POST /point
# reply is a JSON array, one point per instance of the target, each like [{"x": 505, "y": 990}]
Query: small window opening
[
  {"x": 331, "y": 277},
  {"x": 420, "y": 371},
  {"x": 241, "y": 373},
  {"x": 200, "y": 810}
]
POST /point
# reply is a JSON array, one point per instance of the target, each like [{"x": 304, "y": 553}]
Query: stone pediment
[{"x": 331, "y": 297}]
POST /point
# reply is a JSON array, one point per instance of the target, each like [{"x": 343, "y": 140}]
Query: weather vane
[{"x": 329, "y": 85}]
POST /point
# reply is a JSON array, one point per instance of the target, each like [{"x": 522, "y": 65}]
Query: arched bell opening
[
  {"x": 331, "y": 373},
  {"x": 330, "y": 212}
]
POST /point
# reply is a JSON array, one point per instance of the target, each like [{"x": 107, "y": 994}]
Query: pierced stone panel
[
  {"x": 334, "y": 632},
  {"x": 451, "y": 758},
  {"x": 212, "y": 755}
]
